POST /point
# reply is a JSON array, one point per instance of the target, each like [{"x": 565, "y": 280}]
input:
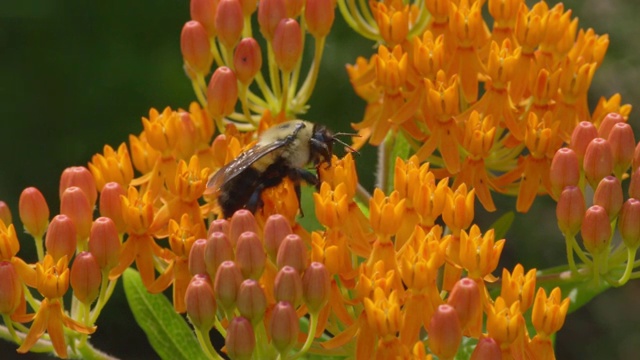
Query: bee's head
[{"x": 321, "y": 144}]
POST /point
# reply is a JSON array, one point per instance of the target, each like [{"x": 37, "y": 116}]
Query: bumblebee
[{"x": 281, "y": 151}]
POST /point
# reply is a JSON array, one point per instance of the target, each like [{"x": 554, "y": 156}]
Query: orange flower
[
  {"x": 112, "y": 166},
  {"x": 479, "y": 254}
]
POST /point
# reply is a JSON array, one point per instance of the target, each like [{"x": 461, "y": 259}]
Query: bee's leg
[
  {"x": 255, "y": 201},
  {"x": 301, "y": 174}
]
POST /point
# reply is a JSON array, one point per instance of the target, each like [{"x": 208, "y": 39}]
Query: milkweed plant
[{"x": 460, "y": 107}]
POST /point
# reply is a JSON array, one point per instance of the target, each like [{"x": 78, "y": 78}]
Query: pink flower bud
[
  {"x": 609, "y": 121},
  {"x": 270, "y": 12},
  {"x": 596, "y": 230},
  {"x": 581, "y": 137},
  {"x": 465, "y": 298},
  {"x": 252, "y": 302},
  {"x": 294, "y": 8},
  {"x": 85, "y": 277},
  {"x": 284, "y": 327},
  {"x": 288, "y": 286},
  {"x": 319, "y": 15},
  {"x": 564, "y": 170},
  {"x": 226, "y": 285},
  {"x": 111, "y": 204},
  {"x": 218, "y": 225},
  {"x": 247, "y": 60},
  {"x": 196, "y": 48},
  {"x": 598, "y": 161},
  {"x": 204, "y": 12},
  {"x": 200, "y": 303},
  {"x": 634, "y": 184},
  {"x": 34, "y": 212},
  {"x": 629, "y": 223},
  {"x": 623, "y": 146},
  {"x": 196, "y": 257},
  {"x": 636, "y": 157},
  {"x": 229, "y": 22},
  {"x": 61, "y": 238},
  {"x": 275, "y": 230},
  {"x": 487, "y": 349},
  {"x": 81, "y": 177},
  {"x": 75, "y": 205},
  {"x": 217, "y": 251},
  {"x": 5, "y": 213},
  {"x": 104, "y": 243},
  {"x": 316, "y": 286},
  {"x": 248, "y": 7},
  {"x": 287, "y": 44},
  {"x": 10, "y": 289},
  {"x": 250, "y": 255},
  {"x": 570, "y": 210},
  {"x": 240, "y": 340},
  {"x": 444, "y": 332},
  {"x": 222, "y": 92},
  {"x": 292, "y": 252},
  {"x": 241, "y": 221},
  {"x": 609, "y": 195}
]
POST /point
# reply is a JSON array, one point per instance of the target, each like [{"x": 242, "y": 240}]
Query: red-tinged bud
[
  {"x": 444, "y": 332},
  {"x": 10, "y": 288},
  {"x": 219, "y": 225},
  {"x": 270, "y": 12},
  {"x": 85, "y": 277},
  {"x": 598, "y": 161},
  {"x": 581, "y": 137},
  {"x": 74, "y": 204},
  {"x": 5, "y": 213},
  {"x": 570, "y": 210},
  {"x": 609, "y": 195},
  {"x": 81, "y": 177},
  {"x": 226, "y": 285},
  {"x": 61, "y": 238},
  {"x": 200, "y": 303},
  {"x": 636, "y": 157},
  {"x": 217, "y": 251},
  {"x": 596, "y": 230},
  {"x": 247, "y": 60},
  {"x": 319, "y": 15},
  {"x": 487, "y": 349},
  {"x": 111, "y": 204},
  {"x": 222, "y": 92},
  {"x": 564, "y": 170},
  {"x": 275, "y": 230},
  {"x": 634, "y": 184},
  {"x": 250, "y": 255},
  {"x": 609, "y": 121},
  {"x": 284, "y": 327},
  {"x": 316, "y": 286},
  {"x": 204, "y": 12},
  {"x": 292, "y": 252},
  {"x": 241, "y": 221},
  {"x": 104, "y": 243},
  {"x": 465, "y": 298},
  {"x": 623, "y": 146},
  {"x": 34, "y": 212},
  {"x": 294, "y": 7},
  {"x": 629, "y": 223},
  {"x": 252, "y": 302},
  {"x": 240, "y": 340},
  {"x": 288, "y": 286},
  {"x": 229, "y": 22},
  {"x": 248, "y": 7},
  {"x": 196, "y": 48},
  {"x": 196, "y": 257},
  {"x": 287, "y": 44}
]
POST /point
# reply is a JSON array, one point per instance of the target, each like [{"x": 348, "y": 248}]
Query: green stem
[
  {"x": 197, "y": 89},
  {"x": 205, "y": 344},
  {"x": 572, "y": 263},
  {"x": 631, "y": 255},
  {"x": 39, "y": 247},
  {"x": 310, "y": 81},
  {"x": 313, "y": 324}
]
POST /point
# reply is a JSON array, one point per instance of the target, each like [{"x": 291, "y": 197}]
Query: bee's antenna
[{"x": 344, "y": 143}]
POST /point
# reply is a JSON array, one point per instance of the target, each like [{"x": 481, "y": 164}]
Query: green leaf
[
  {"x": 466, "y": 348},
  {"x": 167, "y": 331},
  {"x": 503, "y": 224}
]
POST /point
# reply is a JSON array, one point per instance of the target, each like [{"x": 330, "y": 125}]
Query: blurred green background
[{"x": 77, "y": 75}]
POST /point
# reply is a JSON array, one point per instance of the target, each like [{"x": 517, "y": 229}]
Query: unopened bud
[
  {"x": 275, "y": 230},
  {"x": 229, "y": 22},
  {"x": 252, "y": 302},
  {"x": 61, "y": 238},
  {"x": 623, "y": 146},
  {"x": 248, "y": 7},
  {"x": 217, "y": 251},
  {"x": 204, "y": 12},
  {"x": 609, "y": 121},
  {"x": 10, "y": 288},
  {"x": 5, "y": 213},
  {"x": 288, "y": 286},
  {"x": 570, "y": 210},
  {"x": 196, "y": 48},
  {"x": 596, "y": 230},
  {"x": 316, "y": 286},
  {"x": 104, "y": 243},
  {"x": 74, "y": 204},
  {"x": 200, "y": 303},
  {"x": 218, "y": 225},
  {"x": 85, "y": 277},
  {"x": 226, "y": 285},
  {"x": 247, "y": 60},
  {"x": 240, "y": 340},
  {"x": 111, "y": 204},
  {"x": 598, "y": 161},
  {"x": 581, "y": 137},
  {"x": 222, "y": 92},
  {"x": 196, "y": 257},
  {"x": 34, "y": 212},
  {"x": 241, "y": 221},
  {"x": 81, "y": 177},
  {"x": 292, "y": 252},
  {"x": 609, "y": 195},
  {"x": 319, "y": 15},
  {"x": 564, "y": 170},
  {"x": 634, "y": 184},
  {"x": 287, "y": 44},
  {"x": 250, "y": 255},
  {"x": 444, "y": 332},
  {"x": 465, "y": 298},
  {"x": 486, "y": 349},
  {"x": 284, "y": 327},
  {"x": 270, "y": 12},
  {"x": 629, "y": 223}
]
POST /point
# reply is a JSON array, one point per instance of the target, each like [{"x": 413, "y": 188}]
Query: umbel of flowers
[{"x": 400, "y": 273}]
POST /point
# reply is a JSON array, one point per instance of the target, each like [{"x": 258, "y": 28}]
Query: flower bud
[
  {"x": 623, "y": 146},
  {"x": 34, "y": 212},
  {"x": 292, "y": 252},
  {"x": 5, "y": 213},
  {"x": 319, "y": 15},
  {"x": 200, "y": 303},
  {"x": 284, "y": 327},
  {"x": 248, "y": 7},
  {"x": 598, "y": 161},
  {"x": 241, "y": 221},
  {"x": 81, "y": 177},
  {"x": 634, "y": 184},
  {"x": 204, "y": 12},
  {"x": 275, "y": 229},
  {"x": 196, "y": 257},
  {"x": 444, "y": 332},
  {"x": 75, "y": 205},
  {"x": 636, "y": 157},
  {"x": 226, "y": 285},
  {"x": 104, "y": 243},
  {"x": 222, "y": 92},
  {"x": 229, "y": 22},
  {"x": 596, "y": 230},
  {"x": 85, "y": 277},
  {"x": 218, "y": 225},
  {"x": 240, "y": 340},
  {"x": 609, "y": 121},
  {"x": 61, "y": 238},
  {"x": 247, "y": 60},
  {"x": 252, "y": 302},
  {"x": 316, "y": 286},
  {"x": 111, "y": 204},
  {"x": 629, "y": 223},
  {"x": 270, "y": 12},
  {"x": 564, "y": 170},
  {"x": 287, "y": 44},
  {"x": 288, "y": 286},
  {"x": 581, "y": 137},
  {"x": 465, "y": 298},
  {"x": 10, "y": 289},
  {"x": 570, "y": 210},
  {"x": 609, "y": 195},
  {"x": 217, "y": 251},
  {"x": 486, "y": 349},
  {"x": 196, "y": 48},
  {"x": 250, "y": 255}
]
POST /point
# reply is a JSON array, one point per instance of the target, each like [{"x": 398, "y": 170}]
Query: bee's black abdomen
[{"x": 234, "y": 195}]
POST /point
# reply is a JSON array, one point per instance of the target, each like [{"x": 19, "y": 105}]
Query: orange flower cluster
[{"x": 424, "y": 82}]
